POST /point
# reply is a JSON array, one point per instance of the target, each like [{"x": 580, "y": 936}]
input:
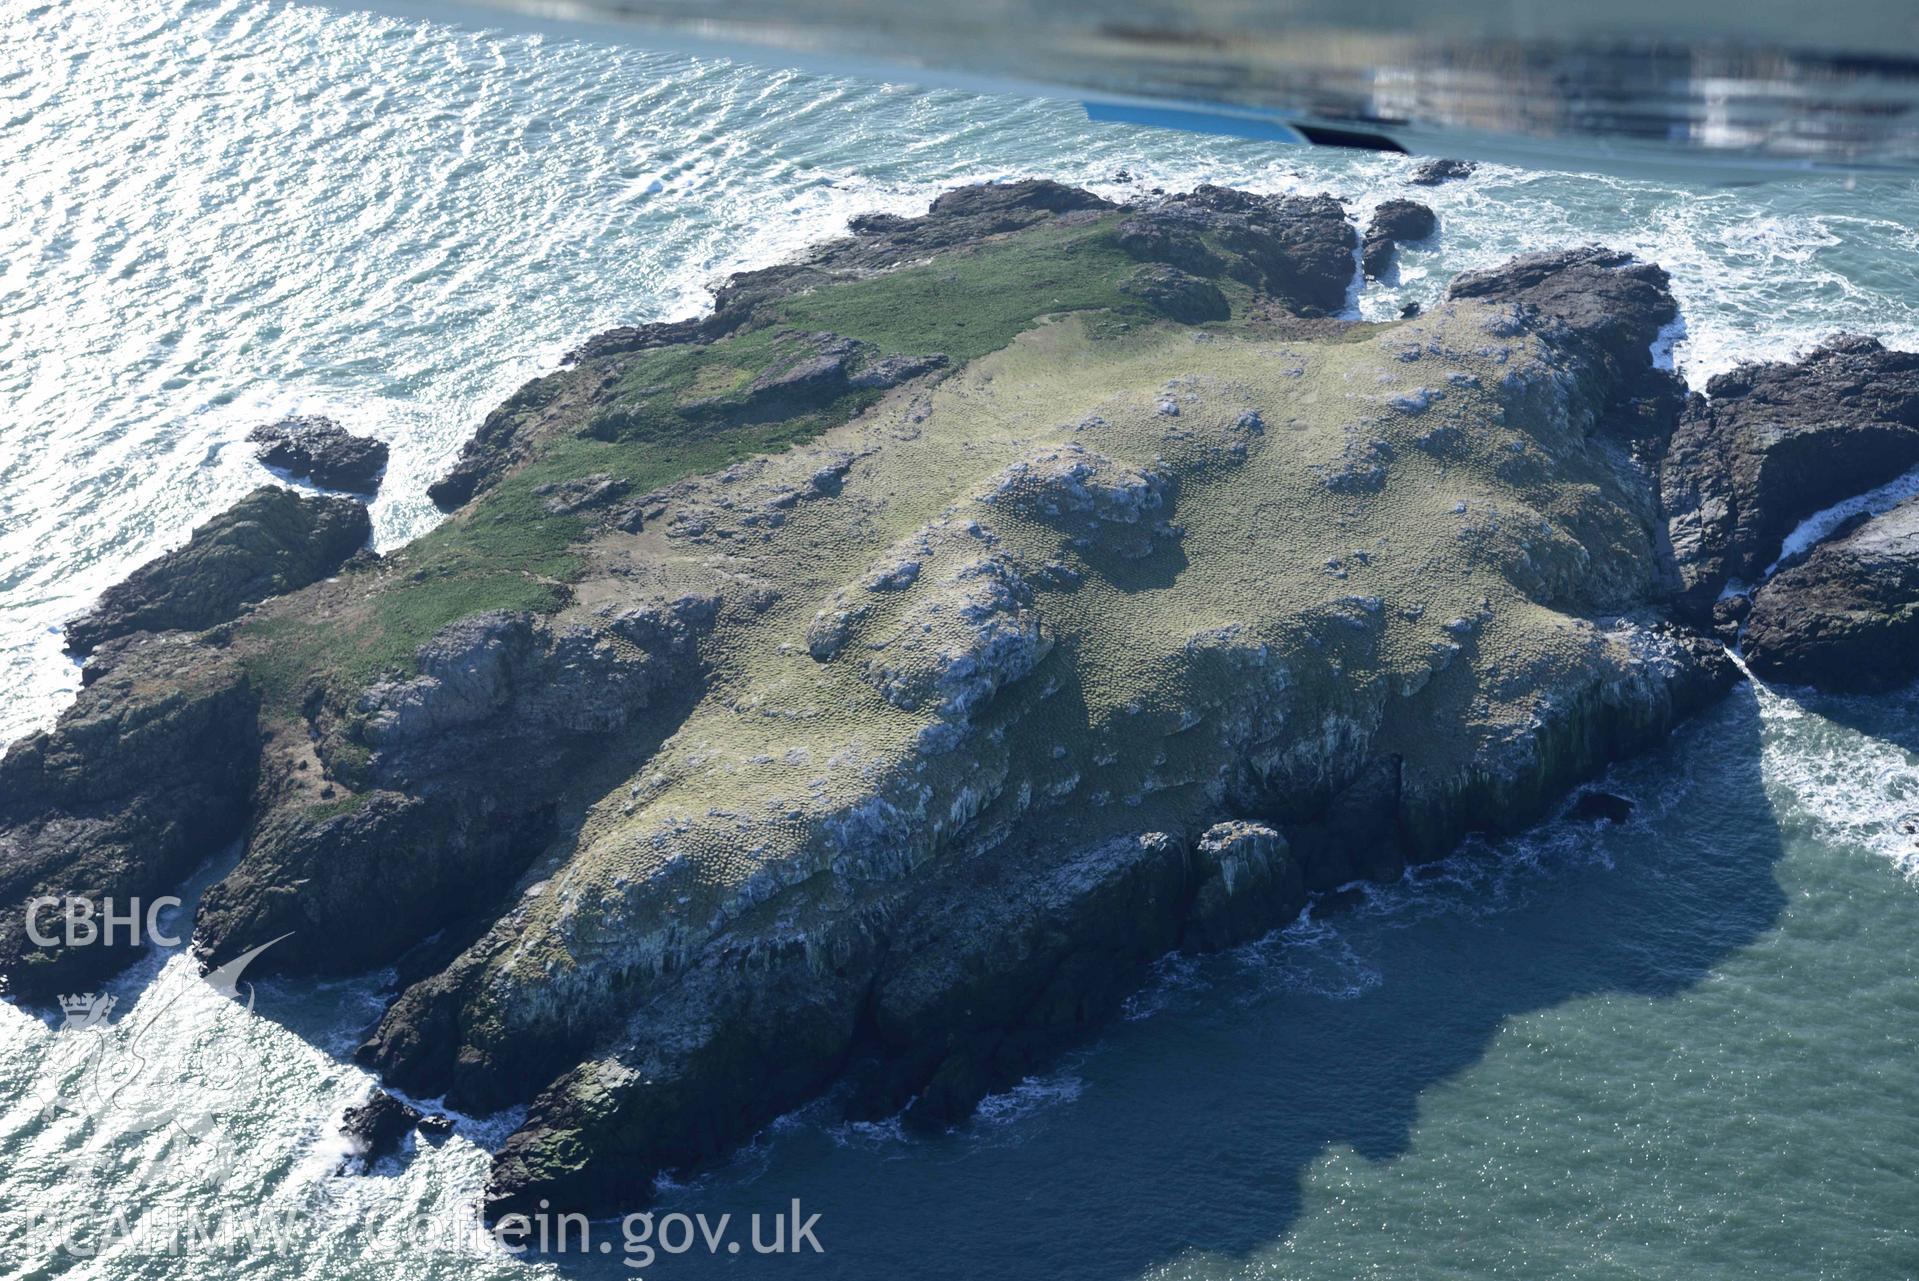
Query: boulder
[
  {"x": 1430, "y": 173},
  {"x": 1846, "y": 617},
  {"x": 322, "y": 450},
  {"x": 271, "y": 542}
]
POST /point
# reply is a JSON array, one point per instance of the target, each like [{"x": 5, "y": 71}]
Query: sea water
[{"x": 1680, "y": 1047}]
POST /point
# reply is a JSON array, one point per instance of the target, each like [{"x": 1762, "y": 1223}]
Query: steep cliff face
[
  {"x": 865, "y": 683},
  {"x": 1769, "y": 445},
  {"x": 145, "y": 776}
]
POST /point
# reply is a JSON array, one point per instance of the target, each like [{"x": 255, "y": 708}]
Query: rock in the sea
[
  {"x": 377, "y": 1128},
  {"x": 270, "y": 542},
  {"x": 1249, "y": 883},
  {"x": 1430, "y": 173},
  {"x": 1847, "y": 616},
  {"x": 1769, "y": 445},
  {"x": 1395, "y": 222},
  {"x": 322, "y": 450}
]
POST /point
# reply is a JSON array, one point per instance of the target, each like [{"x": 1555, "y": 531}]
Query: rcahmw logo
[{"x": 80, "y": 922}]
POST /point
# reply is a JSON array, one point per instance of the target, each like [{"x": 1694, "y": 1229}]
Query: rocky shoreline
[{"x": 859, "y": 687}]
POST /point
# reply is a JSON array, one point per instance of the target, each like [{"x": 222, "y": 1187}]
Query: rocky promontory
[
  {"x": 859, "y": 687},
  {"x": 269, "y": 543}
]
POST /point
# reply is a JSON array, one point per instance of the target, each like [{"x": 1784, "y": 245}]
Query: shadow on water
[
  {"x": 1194, "y": 1129},
  {"x": 1892, "y": 717}
]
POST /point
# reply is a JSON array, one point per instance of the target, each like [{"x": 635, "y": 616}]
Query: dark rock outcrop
[
  {"x": 1770, "y": 445},
  {"x": 1395, "y": 222},
  {"x": 323, "y": 451},
  {"x": 441, "y": 819},
  {"x": 1191, "y": 300},
  {"x": 1298, "y": 249},
  {"x": 1847, "y": 616},
  {"x": 1604, "y": 309},
  {"x": 377, "y": 1128},
  {"x": 270, "y": 542},
  {"x": 148, "y": 773},
  {"x": 1430, "y": 173}
]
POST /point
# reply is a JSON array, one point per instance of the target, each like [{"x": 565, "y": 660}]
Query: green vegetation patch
[
  {"x": 660, "y": 415},
  {"x": 976, "y": 299}
]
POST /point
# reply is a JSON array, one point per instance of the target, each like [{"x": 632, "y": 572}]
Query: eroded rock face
[
  {"x": 146, "y": 775},
  {"x": 1770, "y": 445},
  {"x": 1296, "y": 248},
  {"x": 1604, "y": 307},
  {"x": 1846, "y": 617},
  {"x": 454, "y": 772},
  {"x": 270, "y": 542},
  {"x": 323, "y": 451}
]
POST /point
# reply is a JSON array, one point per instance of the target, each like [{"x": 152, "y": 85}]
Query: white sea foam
[
  {"x": 1856, "y": 788},
  {"x": 1031, "y": 1095},
  {"x": 1819, "y": 526}
]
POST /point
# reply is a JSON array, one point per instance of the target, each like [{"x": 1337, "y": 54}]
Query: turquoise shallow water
[{"x": 1680, "y": 1048}]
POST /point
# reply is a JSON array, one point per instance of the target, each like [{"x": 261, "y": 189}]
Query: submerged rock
[
  {"x": 1600, "y": 807},
  {"x": 271, "y": 542},
  {"x": 1847, "y": 616},
  {"x": 322, "y": 450}
]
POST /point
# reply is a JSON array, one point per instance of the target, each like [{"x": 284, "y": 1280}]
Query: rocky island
[{"x": 856, "y": 688}]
